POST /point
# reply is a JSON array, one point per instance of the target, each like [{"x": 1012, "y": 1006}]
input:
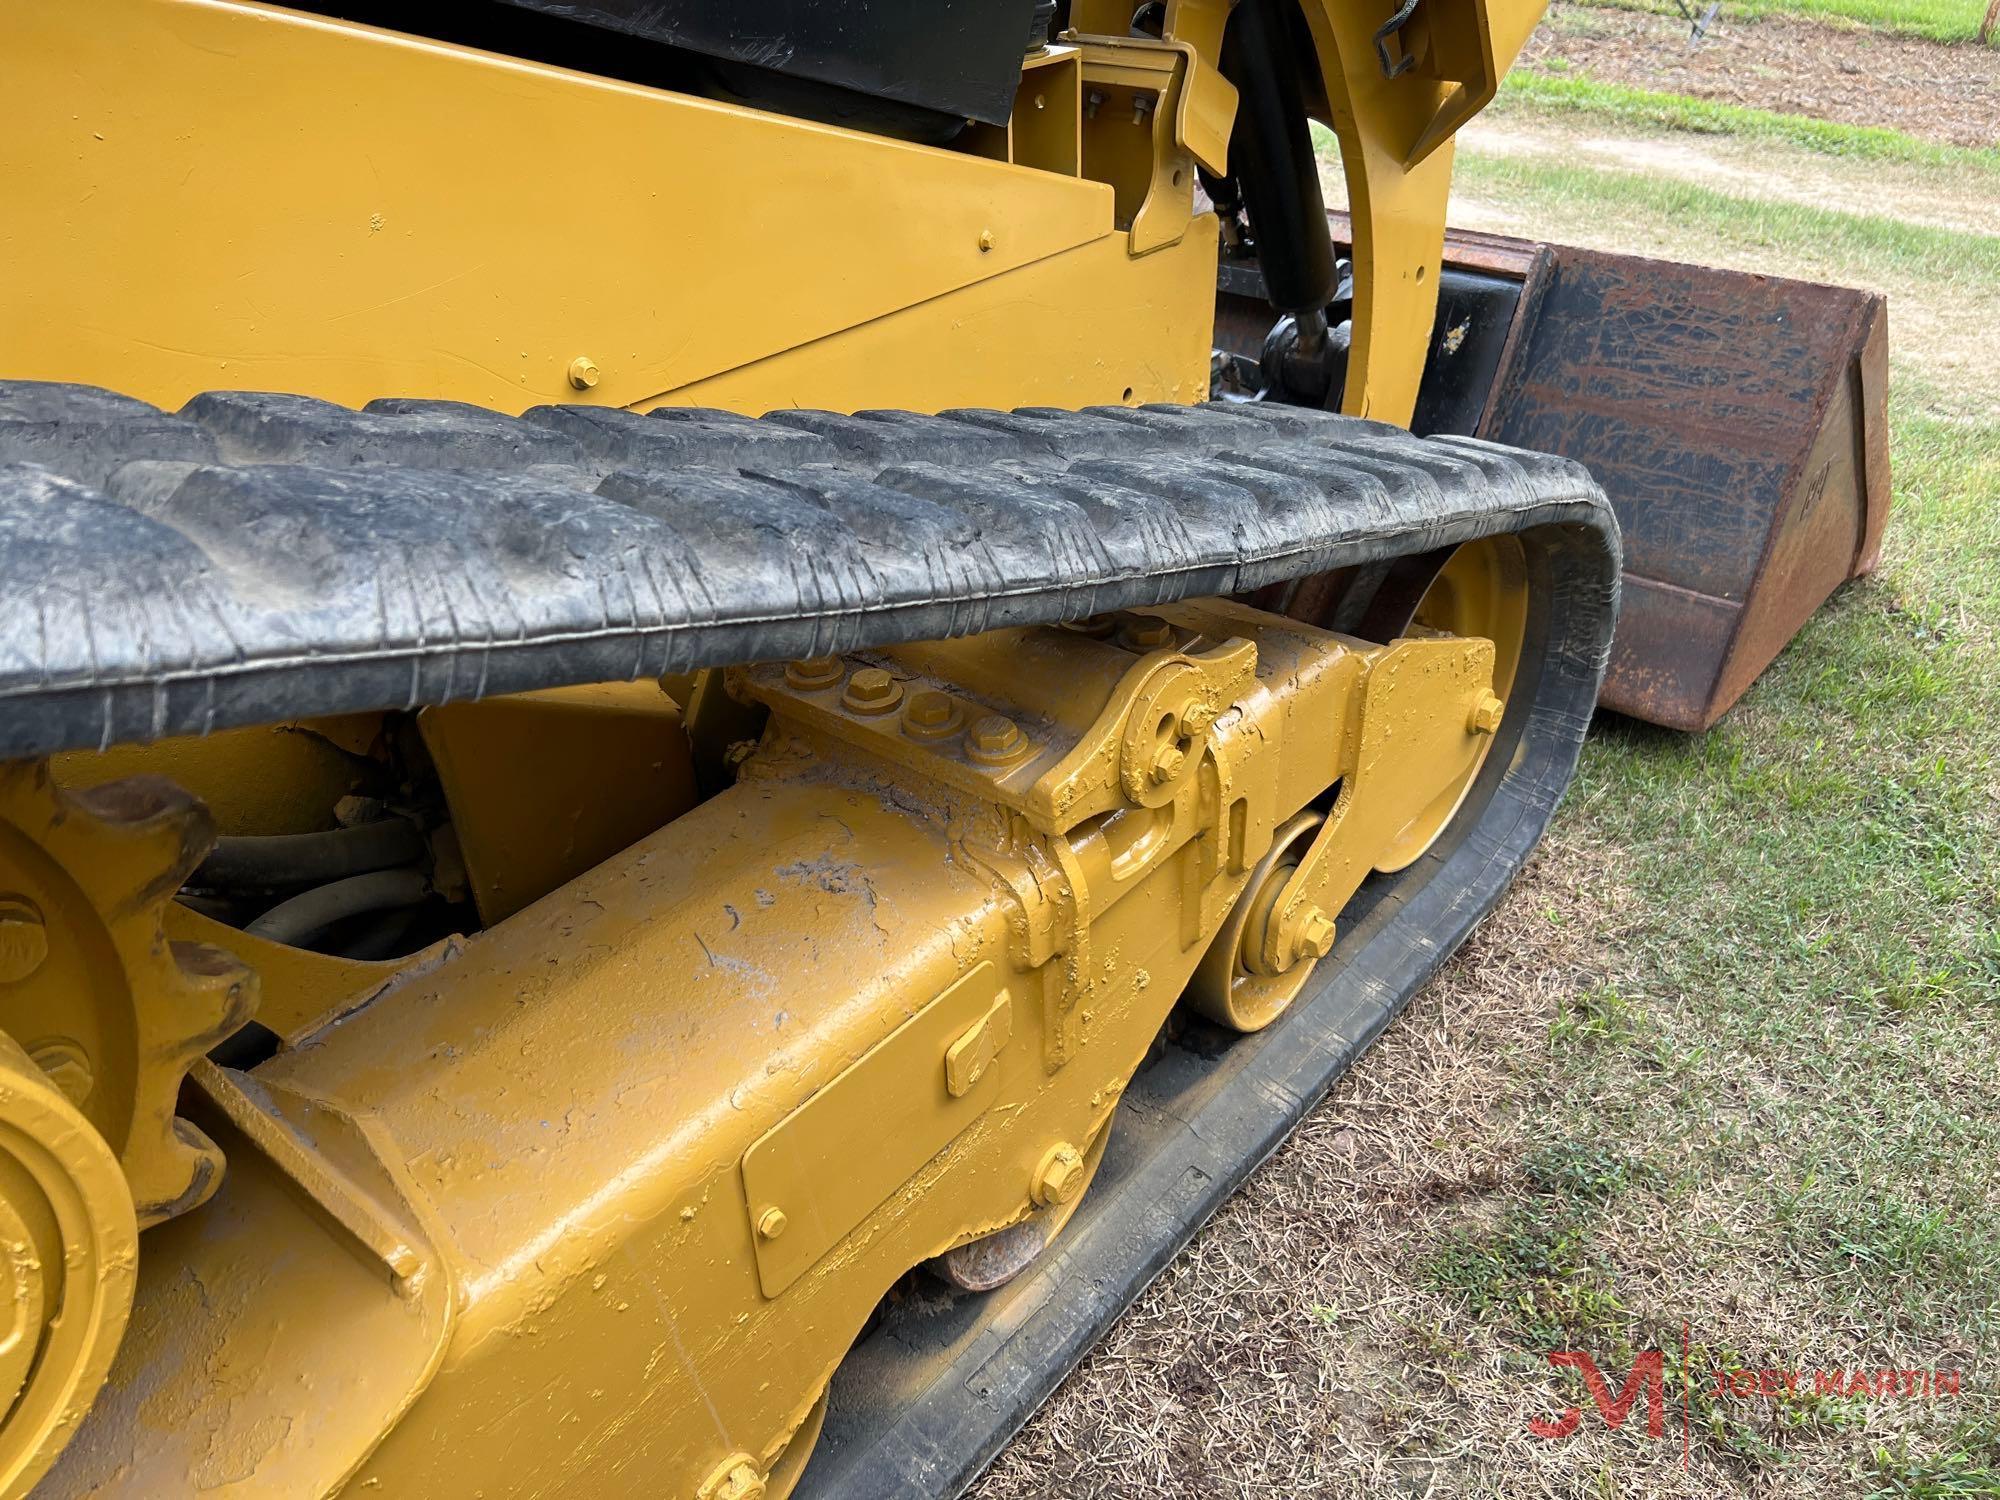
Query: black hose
[
  {"x": 312, "y": 912},
  {"x": 1271, "y": 155},
  {"x": 384, "y": 935},
  {"x": 280, "y": 859}
]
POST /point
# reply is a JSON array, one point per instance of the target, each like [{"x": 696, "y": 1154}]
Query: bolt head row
[
  {"x": 872, "y": 691},
  {"x": 996, "y": 740},
  {"x": 993, "y": 739},
  {"x": 932, "y": 715}
]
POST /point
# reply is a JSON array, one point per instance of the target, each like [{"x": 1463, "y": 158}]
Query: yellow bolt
[
  {"x": 995, "y": 740},
  {"x": 1486, "y": 714},
  {"x": 24, "y": 941},
  {"x": 1315, "y": 934},
  {"x": 1196, "y": 717},
  {"x": 583, "y": 372},
  {"x": 736, "y": 1479},
  {"x": 1060, "y": 1176},
  {"x": 985, "y": 240},
  {"x": 1097, "y": 626},
  {"x": 67, "y": 1065},
  {"x": 872, "y": 691},
  {"x": 1145, "y": 634},
  {"x": 1168, "y": 762},
  {"x": 771, "y": 1223},
  {"x": 815, "y": 672},
  {"x": 931, "y": 716}
]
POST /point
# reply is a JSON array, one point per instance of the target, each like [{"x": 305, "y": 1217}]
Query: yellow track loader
[{"x": 685, "y": 765}]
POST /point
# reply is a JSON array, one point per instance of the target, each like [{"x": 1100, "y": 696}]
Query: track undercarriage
[
  {"x": 560, "y": 936},
  {"x": 633, "y": 1042}
]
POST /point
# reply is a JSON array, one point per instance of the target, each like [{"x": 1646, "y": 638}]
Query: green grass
[
  {"x": 1791, "y": 1066},
  {"x": 1774, "y": 1087},
  {"x": 1869, "y": 245},
  {"x": 1541, "y": 1272},
  {"x": 1969, "y": 1464},
  {"x": 1798, "y": 1077},
  {"x": 1937, "y": 20},
  {"x": 1545, "y": 91}
]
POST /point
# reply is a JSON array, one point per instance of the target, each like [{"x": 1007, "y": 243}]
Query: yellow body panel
[
  {"x": 1065, "y": 329},
  {"x": 206, "y": 195},
  {"x": 607, "y": 762},
  {"x": 275, "y": 778}
]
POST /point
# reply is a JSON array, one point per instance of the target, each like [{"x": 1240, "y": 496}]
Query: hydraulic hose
[
  {"x": 285, "y": 859},
  {"x": 311, "y": 912},
  {"x": 1271, "y": 156}
]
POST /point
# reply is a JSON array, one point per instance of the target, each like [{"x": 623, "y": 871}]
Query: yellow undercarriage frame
[
  {"x": 596, "y": 1198},
  {"x": 603, "y": 1193}
]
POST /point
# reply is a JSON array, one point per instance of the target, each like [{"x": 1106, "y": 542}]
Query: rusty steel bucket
[{"x": 1739, "y": 423}]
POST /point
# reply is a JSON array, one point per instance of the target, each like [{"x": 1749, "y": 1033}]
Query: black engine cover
[{"x": 955, "y": 57}]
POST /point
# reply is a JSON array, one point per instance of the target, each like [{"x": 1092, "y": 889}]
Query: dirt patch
[{"x": 1925, "y": 89}]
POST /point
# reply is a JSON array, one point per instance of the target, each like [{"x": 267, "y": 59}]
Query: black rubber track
[{"x": 259, "y": 557}]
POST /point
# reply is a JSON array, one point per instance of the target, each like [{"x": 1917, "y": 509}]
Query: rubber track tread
[{"x": 260, "y": 557}]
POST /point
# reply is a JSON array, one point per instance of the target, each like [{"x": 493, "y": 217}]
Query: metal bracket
[
  {"x": 1421, "y": 729},
  {"x": 1130, "y": 84},
  {"x": 829, "y": 1163}
]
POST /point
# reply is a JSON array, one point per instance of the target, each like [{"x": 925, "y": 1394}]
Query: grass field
[
  {"x": 1727, "y": 1060},
  {"x": 1550, "y": 91}
]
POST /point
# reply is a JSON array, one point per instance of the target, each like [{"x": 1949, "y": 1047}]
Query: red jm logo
[{"x": 1648, "y": 1374}]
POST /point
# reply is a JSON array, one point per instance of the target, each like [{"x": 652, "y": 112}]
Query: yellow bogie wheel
[
  {"x": 1482, "y": 590},
  {"x": 69, "y": 1251},
  {"x": 1225, "y": 988}
]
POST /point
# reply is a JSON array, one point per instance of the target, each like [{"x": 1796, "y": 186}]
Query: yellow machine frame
[
  {"x": 210, "y": 194},
  {"x": 1021, "y": 847}
]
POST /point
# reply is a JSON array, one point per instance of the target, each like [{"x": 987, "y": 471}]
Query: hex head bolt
[
  {"x": 871, "y": 691},
  {"x": 1486, "y": 714},
  {"x": 1146, "y": 634},
  {"x": 996, "y": 740},
  {"x": 1059, "y": 1178},
  {"x": 931, "y": 715},
  {"x": 815, "y": 672},
  {"x": 1314, "y": 936}
]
